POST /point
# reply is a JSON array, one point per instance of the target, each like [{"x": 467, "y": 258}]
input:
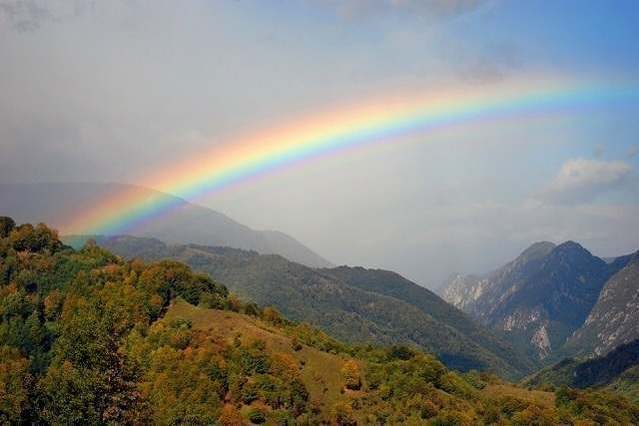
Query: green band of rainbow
[{"x": 383, "y": 121}]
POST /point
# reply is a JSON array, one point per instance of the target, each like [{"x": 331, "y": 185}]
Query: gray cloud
[
  {"x": 581, "y": 180},
  {"x": 633, "y": 151},
  {"x": 31, "y": 15},
  {"x": 430, "y": 9},
  {"x": 25, "y": 15}
]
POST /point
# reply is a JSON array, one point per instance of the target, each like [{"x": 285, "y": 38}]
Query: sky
[{"x": 115, "y": 91}]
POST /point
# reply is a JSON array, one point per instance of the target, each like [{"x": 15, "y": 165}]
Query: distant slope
[
  {"x": 540, "y": 298},
  {"x": 394, "y": 285},
  {"x": 619, "y": 369},
  {"x": 614, "y": 319},
  {"x": 54, "y": 203},
  {"x": 346, "y": 308}
]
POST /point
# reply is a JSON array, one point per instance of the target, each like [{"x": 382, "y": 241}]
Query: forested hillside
[
  {"x": 88, "y": 338},
  {"x": 618, "y": 370},
  {"x": 353, "y": 304}
]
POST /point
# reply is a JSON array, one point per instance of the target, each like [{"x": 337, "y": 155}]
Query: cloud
[
  {"x": 437, "y": 7},
  {"x": 25, "y": 15},
  {"x": 633, "y": 151},
  {"x": 581, "y": 180},
  {"x": 421, "y": 8},
  {"x": 31, "y": 15},
  {"x": 492, "y": 63}
]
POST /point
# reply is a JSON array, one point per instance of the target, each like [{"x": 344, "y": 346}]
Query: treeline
[{"x": 85, "y": 339}]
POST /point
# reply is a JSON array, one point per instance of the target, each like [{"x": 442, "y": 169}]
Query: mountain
[
  {"x": 477, "y": 294},
  {"x": 54, "y": 203},
  {"x": 614, "y": 320},
  {"x": 353, "y": 304},
  {"x": 538, "y": 300},
  {"x": 89, "y": 338},
  {"x": 618, "y": 369}
]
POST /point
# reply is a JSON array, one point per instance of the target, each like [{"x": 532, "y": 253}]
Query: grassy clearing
[
  {"x": 320, "y": 371},
  {"x": 541, "y": 398}
]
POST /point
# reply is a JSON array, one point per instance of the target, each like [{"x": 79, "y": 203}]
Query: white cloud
[{"x": 581, "y": 180}]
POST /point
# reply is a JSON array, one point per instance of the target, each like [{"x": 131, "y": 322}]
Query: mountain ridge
[
  {"x": 613, "y": 319},
  {"x": 54, "y": 203}
]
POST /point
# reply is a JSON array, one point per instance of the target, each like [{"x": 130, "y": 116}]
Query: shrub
[
  {"x": 256, "y": 416},
  {"x": 352, "y": 375}
]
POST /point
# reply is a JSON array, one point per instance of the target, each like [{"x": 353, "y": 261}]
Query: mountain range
[
  {"x": 554, "y": 300},
  {"x": 53, "y": 203},
  {"x": 354, "y": 304}
]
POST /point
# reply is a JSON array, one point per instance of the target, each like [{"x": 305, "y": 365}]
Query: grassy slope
[{"x": 321, "y": 371}]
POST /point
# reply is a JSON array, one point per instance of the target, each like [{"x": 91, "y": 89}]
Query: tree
[
  {"x": 272, "y": 315},
  {"x": 35, "y": 239},
  {"x": 14, "y": 386},
  {"x": 6, "y": 226},
  {"x": 352, "y": 375}
]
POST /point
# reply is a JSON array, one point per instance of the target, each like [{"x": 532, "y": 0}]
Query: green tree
[{"x": 6, "y": 226}]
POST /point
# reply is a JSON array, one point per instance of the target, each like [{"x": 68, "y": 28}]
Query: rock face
[
  {"x": 539, "y": 299},
  {"x": 614, "y": 320}
]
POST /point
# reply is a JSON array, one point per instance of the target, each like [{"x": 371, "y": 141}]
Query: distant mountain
[
  {"x": 614, "y": 320},
  {"x": 619, "y": 369},
  {"x": 478, "y": 294},
  {"x": 539, "y": 299},
  {"x": 354, "y": 304},
  {"x": 55, "y": 203}
]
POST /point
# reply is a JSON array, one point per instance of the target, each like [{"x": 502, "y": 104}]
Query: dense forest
[{"x": 88, "y": 338}]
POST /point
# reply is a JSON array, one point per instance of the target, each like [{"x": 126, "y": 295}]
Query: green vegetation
[
  {"x": 616, "y": 371},
  {"x": 88, "y": 338},
  {"x": 353, "y": 304}
]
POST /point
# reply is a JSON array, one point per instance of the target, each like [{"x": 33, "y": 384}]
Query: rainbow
[{"x": 386, "y": 119}]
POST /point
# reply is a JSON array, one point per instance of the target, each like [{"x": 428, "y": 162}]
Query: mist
[{"x": 113, "y": 91}]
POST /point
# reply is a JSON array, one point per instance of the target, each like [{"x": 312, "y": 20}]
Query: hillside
[
  {"x": 87, "y": 338},
  {"x": 54, "y": 203},
  {"x": 540, "y": 298},
  {"x": 391, "y": 284},
  {"x": 357, "y": 310},
  {"x": 614, "y": 318},
  {"x": 616, "y": 370}
]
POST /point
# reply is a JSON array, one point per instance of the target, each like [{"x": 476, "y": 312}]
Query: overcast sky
[{"x": 114, "y": 90}]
